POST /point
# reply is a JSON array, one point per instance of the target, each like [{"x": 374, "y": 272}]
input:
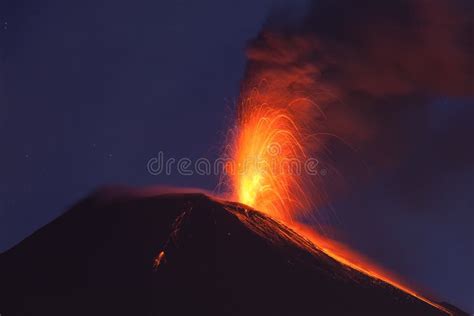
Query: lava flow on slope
[{"x": 271, "y": 149}]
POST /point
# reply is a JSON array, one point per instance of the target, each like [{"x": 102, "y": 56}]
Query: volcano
[{"x": 121, "y": 252}]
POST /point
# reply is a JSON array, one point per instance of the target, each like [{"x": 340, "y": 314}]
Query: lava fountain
[
  {"x": 275, "y": 141},
  {"x": 273, "y": 148},
  {"x": 270, "y": 150}
]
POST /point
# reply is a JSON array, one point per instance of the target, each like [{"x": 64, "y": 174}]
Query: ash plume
[{"x": 372, "y": 68}]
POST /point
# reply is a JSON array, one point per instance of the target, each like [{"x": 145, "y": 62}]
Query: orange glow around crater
[
  {"x": 270, "y": 152},
  {"x": 271, "y": 145}
]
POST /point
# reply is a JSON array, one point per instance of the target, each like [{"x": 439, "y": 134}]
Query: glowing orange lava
[
  {"x": 356, "y": 261},
  {"x": 271, "y": 155},
  {"x": 271, "y": 147}
]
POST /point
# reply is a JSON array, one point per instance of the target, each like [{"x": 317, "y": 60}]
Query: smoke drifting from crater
[{"x": 371, "y": 67}]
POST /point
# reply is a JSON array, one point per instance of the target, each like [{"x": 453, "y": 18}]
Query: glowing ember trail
[
  {"x": 271, "y": 152},
  {"x": 270, "y": 149}
]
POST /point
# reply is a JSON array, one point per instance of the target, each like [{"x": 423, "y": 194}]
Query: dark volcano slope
[{"x": 103, "y": 258}]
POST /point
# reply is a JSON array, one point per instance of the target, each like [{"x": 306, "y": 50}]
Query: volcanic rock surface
[{"x": 182, "y": 254}]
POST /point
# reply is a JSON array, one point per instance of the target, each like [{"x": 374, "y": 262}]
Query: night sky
[{"x": 91, "y": 90}]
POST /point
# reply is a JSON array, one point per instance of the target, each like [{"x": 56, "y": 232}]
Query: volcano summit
[{"x": 121, "y": 252}]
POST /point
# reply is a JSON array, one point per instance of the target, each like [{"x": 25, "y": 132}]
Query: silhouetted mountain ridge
[{"x": 102, "y": 257}]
